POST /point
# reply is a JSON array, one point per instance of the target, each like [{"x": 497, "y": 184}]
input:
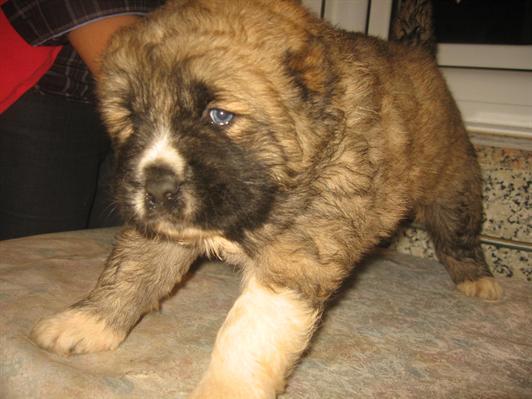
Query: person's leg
[{"x": 50, "y": 151}]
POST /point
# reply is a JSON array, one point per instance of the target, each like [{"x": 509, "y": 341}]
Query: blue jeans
[{"x": 54, "y": 167}]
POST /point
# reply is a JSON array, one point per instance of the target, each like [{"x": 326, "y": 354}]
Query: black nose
[{"x": 161, "y": 185}]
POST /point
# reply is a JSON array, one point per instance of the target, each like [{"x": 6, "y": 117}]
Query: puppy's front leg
[
  {"x": 259, "y": 342},
  {"x": 137, "y": 274}
]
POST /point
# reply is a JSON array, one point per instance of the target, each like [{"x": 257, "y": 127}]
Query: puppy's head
[{"x": 200, "y": 101}]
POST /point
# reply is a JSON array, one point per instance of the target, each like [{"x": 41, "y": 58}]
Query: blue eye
[{"x": 220, "y": 117}]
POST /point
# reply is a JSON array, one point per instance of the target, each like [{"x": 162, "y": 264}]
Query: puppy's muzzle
[{"x": 161, "y": 187}]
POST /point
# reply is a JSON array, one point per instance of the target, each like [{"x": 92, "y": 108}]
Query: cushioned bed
[{"x": 397, "y": 329}]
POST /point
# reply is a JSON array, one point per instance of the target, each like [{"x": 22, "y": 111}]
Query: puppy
[{"x": 253, "y": 131}]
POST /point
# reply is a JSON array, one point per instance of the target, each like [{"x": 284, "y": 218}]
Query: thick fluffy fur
[{"x": 335, "y": 139}]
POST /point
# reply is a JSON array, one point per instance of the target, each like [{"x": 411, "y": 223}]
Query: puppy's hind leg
[
  {"x": 453, "y": 219},
  {"x": 137, "y": 274}
]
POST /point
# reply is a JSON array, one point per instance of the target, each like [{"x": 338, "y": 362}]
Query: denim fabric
[{"x": 52, "y": 152}]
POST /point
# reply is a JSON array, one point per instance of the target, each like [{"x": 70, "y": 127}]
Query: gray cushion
[{"x": 397, "y": 329}]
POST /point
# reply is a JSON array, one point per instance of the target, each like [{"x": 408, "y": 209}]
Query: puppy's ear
[{"x": 311, "y": 70}]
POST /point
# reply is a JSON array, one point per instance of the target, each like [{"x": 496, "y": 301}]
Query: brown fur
[
  {"x": 413, "y": 24},
  {"x": 336, "y": 138}
]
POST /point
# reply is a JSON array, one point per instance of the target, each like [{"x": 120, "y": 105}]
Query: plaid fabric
[{"x": 46, "y": 22}]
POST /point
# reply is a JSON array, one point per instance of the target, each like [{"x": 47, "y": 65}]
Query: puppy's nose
[{"x": 161, "y": 185}]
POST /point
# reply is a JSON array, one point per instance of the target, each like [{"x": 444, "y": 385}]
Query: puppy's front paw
[{"x": 75, "y": 331}]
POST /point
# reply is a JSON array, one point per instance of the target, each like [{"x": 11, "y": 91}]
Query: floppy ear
[
  {"x": 313, "y": 74},
  {"x": 311, "y": 70}
]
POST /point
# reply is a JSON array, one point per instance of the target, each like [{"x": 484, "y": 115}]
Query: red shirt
[{"x": 22, "y": 65}]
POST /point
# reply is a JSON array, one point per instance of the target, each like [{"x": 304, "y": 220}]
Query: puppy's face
[{"x": 202, "y": 136}]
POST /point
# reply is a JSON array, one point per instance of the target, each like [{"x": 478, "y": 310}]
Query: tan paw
[
  {"x": 485, "y": 288},
  {"x": 224, "y": 390},
  {"x": 75, "y": 331}
]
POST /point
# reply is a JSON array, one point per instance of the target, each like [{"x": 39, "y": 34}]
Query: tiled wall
[{"x": 507, "y": 174}]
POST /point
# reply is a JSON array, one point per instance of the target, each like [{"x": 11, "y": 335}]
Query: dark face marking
[
  {"x": 231, "y": 188},
  {"x": 234, "y": 190}
]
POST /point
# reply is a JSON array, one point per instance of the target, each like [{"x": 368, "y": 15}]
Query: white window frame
[
  {"x": 492, "y": 84},
  {"x": 352, "y": 14}
]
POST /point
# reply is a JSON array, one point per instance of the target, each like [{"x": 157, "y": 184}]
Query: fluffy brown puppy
[{"x": 256, "y": 132}]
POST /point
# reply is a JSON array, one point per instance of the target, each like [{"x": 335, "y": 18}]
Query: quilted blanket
[{"x": 396, "y": 329}]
